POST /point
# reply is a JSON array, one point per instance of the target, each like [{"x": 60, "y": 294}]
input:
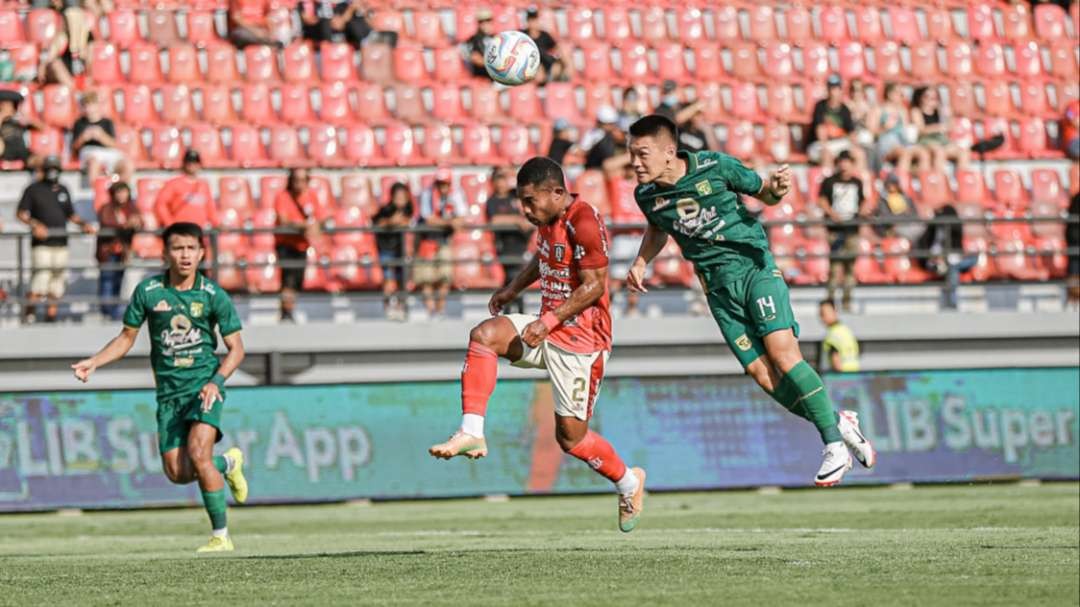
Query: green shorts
[
  {"x": 175, "y": 416},
  {"x": 749, "y": 308}
]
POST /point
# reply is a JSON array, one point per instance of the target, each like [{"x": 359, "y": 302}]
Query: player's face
[
  {"x": 650, "y": 157},
  {"x": 183, "y": 254},
  {"x": 827, "y": 314},
  {"x": 542, "y": 204}
]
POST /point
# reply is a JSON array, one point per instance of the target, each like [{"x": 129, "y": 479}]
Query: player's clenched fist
[
  {"x": 499, "y": 300},
  {"x": 635, "y": 278},
  {"x": 535, "y": 333},
  {"x": 780, "y": 181},
  {"x": 83, "y": 369}
]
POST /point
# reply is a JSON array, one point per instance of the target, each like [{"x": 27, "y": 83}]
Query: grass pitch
[{"x": 964, "y": 545}]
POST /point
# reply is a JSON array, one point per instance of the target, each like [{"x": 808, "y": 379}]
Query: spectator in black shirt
[
  {"x": 562, "y": 140},
  {"x": 1072, "y": 241},
  {"x": 477, "y": 43},
  {"x": 94, "y": 139},
  {"x": 942, "y": 248},
  {"x": 325, "y": 20},
  {"x": 504, "y": 210},
  {"x": 842, "y": 199},
  {"x": 397, "y": 214},
  {"x": 605, "y": 146},
  {"x": 554, "y": 68},
  {"x": 47, "y": 208},
  {"x": 832, "y": 129},
  {"x": 696, "y": 134},
  {"x": 13, "y": 129}
]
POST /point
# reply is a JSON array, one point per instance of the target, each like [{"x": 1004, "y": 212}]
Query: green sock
[
  {"x": 215, "y": 507},
  {"x": 788, "y": 396},
  {"x": 221, "y": 463},
  {"x": 815, "y": 399}
]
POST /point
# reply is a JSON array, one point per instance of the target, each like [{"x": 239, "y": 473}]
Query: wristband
[
  {"x": 550, "y": 321},
  {"x": 218, "y": 380}
]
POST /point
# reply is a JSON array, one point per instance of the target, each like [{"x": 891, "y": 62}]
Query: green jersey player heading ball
[
  {"x": 183, "y": 308},
  {"x": 695, "y": 198}
]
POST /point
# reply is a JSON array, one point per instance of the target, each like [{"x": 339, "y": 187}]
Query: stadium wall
[{"x": 92, "y": 449}]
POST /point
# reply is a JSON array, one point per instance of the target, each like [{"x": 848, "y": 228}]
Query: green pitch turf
[{"x": 967, "y": 545}]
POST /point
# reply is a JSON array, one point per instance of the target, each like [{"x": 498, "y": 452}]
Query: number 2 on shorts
[{"x": 580, "y": 387}]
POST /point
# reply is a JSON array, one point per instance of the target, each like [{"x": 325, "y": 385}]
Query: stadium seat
[
  {"x": 1050, "y": 20},
  {"x": 476, "y": 188},
  {"x": 124, "y": 28},
  {"x": 201, "y": 30},
  {"x": 129, "y": 141},
  {"x": 439, "y": 147},
  {"x": 597, "y": 95},
  {"x": 336, "y": 59},
  {"x": 708, "y": 64},
  {"x": 597, "y": 63},
  {"x": 1016, "y": 22},
  {"x": 653, "y": 24},
  {"x": 726, "y": 23},
  {"x": 408, "y": 62},
  {"x": 361, "y": 148},
  {"x": 691, "y": 26},
  {"x": 980, "y": 22},
  {"x": 248, "y": 150},
  {"x": 868, "y": 268},
  {"x": 634, "y": 64},
  {"x": 815, "y": 59},
  {"x": 671, "y": 63},
  {"x": 11, "y": 28},
  {"x": 999, "y": 126},
  {"x": 780, "y": 102},
  {"x": 400, "y": 147},
  {"x": 206, "y": 139},
  {"x": 832, "y": 24},
  {"x": 104, "y": 66},
  {"x": 386, "y": 20},
  {"x": 1033, "y": 140},
  {"x": 962, "y": 99},
  {"x": 1046, "y": 188},
  {"x": 897, "y": 264},
  {"x": 740, "y": 140},
  {"x": 167, "y": 147},
  {"x": 990, "y": 60},
  {"x": 176, "y": 107},
  {"x": 744, "y": 60},
  {"x": 744, "y": 101},
  {"x": 524, "y": 103},
  {"x": 579, "y": 24},
  {"x": 970, "y": 188},
  {"x": 324, "y": 146},
  {"x": 234, "y": 193},
  {"x": 446, "y": 104},
  {"x": 409, "y": 104},
  {"x": 799, "y": 24},
  {"x": 762, "y": 23},
  {"x": 669, "y": 267},
  {"x": 591, "y": 186},
  {"x": 298, "y": 63},
  {"x": 776, "y": 142},
  {"x": 58, "y": 106},
  {"x": 868, "y": 24},
  {"x": 260, "y": 64},
  {"x": 161, "y": 28},
  {"x": 938, "y": 25},
  {"x": 887, "y": 63},
  {"x": 958, "y": 59},
  {"x": 924, "y": 62},
  {"x": 296, "y": 104},
  {"x": 334, "y": 105},
  {"x": 269, "y": 186},
  {"x": 1063, "y": 61},
  {"x": 376, "y": 64},
  {"x": 285, "y": 148},
  {"x": 47, "y": 142},
  {"x": 449, "y": 66},
  {"x": 484, "y": 105},
  {"x": 183, "y": 64},
  {"x": 559, "y": 102},
  {"x": 997, "y": 100},
  {"x": 145, "y": 65},
  {"x": 256, "y": 106},
  {"x": 1009, "y": 190},
  {"x": 356, "y": 192},
  {"x": 905, "y": 28},
  {"x": 475, "y": 261},
  {"x": 477, "y": 146},
  {"x": 24, "y": 58},
  {"x": 934, "y": 190},
  {"x": 1027, "y": 61},
  {"x": 514, "y": 145},
  {"x": 370, "y": 98},
  {"x": 617, "y": 27},
  {"x": 427, "y": 29},
  {"x": 221, "y": 63},
  {"x": 217, "y": 105},
  {"x": 852, "y": 62}
]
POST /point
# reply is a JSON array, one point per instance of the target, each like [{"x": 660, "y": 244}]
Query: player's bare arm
[
  {"x": 211, "y": 392},
  {"x": 117, "y": 348},
  {"x": 776, "y": 186},
  {"x": 593, "y": 284},
  {"x": 528, "y": 275},
  {"x": 651, "y": 244}
]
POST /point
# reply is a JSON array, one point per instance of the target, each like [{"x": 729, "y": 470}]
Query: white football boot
[
  {"x": 837, "y": 461},
  {"x": 853, "y": 437}
]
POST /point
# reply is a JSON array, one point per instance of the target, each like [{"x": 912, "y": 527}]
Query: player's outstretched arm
[
  {"x": 211, "y": 392},
  {"x": 113, "y": 351},
  {"x": 528, "y": 275},
  {"x": 593, "y": 285},
  {"x": 776, "y": 186},
  {"x": 651, "y": 244}
]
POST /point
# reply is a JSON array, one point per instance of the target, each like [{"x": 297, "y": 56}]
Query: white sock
[
  {"x": 223, "y": 532},
  {"x": 473, "y": 424},
  {"x": 628, "y": 484}
]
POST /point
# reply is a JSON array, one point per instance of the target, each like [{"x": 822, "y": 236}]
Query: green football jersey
[
  {"x": 182, "y": 338},
  {"x": 705, "y": 215}
]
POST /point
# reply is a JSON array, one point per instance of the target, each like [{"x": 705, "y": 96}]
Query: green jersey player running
[
  {"x": 183, "y": 307},
  {"x": 695, "y": 198}
]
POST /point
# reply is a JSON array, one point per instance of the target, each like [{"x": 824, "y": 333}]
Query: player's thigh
[
  {"x": 730, "y": 317},
  {"x": 200, "y": 441},
  {"x": 768, "y": 303},
  {"x": 530, "y": 358},
  {"x": 172, "y": 426},
  {"x": 575, "y": 380},
  {"x": 501, "y": 335},
  {"x": 210, "y": 420}
]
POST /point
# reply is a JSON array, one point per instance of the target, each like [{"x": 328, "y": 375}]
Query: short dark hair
[
  {"x": 182, "y": 228},
  {"x": 827, "y": 302},
  {"x": 119, "y": 185},
  {"x": 654, "y": 124},
  {"x": 540, "y": 170},
  {"x": 844, "y": 155}
]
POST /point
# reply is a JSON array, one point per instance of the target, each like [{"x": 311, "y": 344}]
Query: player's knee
[
  {"x": 483, "y": 333},
  {"x": 200, "y": 456},
  {"x": 760, "y": 374},
  {"x": 174, "y": 471}
]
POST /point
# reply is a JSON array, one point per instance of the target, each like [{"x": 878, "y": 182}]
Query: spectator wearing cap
[
  {"x": 562, "y": 140},
  {"x": 186, "y": 197},
  {"x": 832, "y": 129},
  {"x": 46, "y": 207},
  {"x": 605, "y": 145},
  {"x": 13, "y": 129},
  {"x": 476, "y": 45},
  {"x": 300, "y": 218},
  {"x": 442, "y": 208},
  {"x": 326, "y": 20},
  {"x": 94, "y": 139},
  {"x": 842, "y": 199},
  {"x": 119, "y": 220},
  {"x": 554, "y": 68}
]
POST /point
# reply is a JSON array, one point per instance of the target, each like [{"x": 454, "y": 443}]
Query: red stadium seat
[
  {"x": 234, "y": 193},
  {"x": 868, "y": 269},
  {"x": 104, "y": 64},
  {"x": 409, "y": 64},
  {"x": 579, "y": 23},
  {"x": 990, "y": 60},
  {"x": 296, "y": 104},
  {"x": 261, "y": 64},
  {"x": 377, "y": 64},
  {"x": 980, "y": 22},
  {"x": 898, "y": 266},
  {"x": 206, "y": 139},
  {"x": 958, "y": 62},
  {"x": 58, "y": 108},
  {"x": 256, "y": 105},
  {"x": 970, "y": 187},
  {"x": 324, "y": 146},
  {"x": 449, "y": 66},
  {"x": 597, "y": 64},
  {"x": 995, "y": 126},
  {"x": 388, "y": 21},
  {"x": 514, "y": 145},
  {"x": 924, "y": 62},
  {"x": 799, "y": 24},
  {"x": 597, "y": 95},
  {"x": 477, "y": 146},
  {"x": 248, "y": 150},
  {"x": 671, "y": 269},
  {"x": 635, "y": 63},
  {"x": 183, "y": 64},
  {"x": 938, "y": 25},
  {"x": 934, "y": 190},
  {"x": 439, "y": 147},
  {"x": 1009, "y": 190},
  {"x": 852, "y": 62},
  {"x": 1033, "y": 141},
  {"x": 617, "y": 28},
  {"x": 124, "y": 28},
  {"x": 997, "y": 101},
  {"x": 361, "y": 148},
  {"x": 201, "y": 29},
  {"x": 356, "y": 192},
  {"x": 887, "y": 63},
  {"x": 762, "y": 23},
  {"x": 1063, "y": 61},
  {"x": 740, "y": 140},
  {"x": 591, "y": 186},
  {"x": 671, "y": 64},
  {"x": 653, "y": 24},
  {"x": 832, "y": 24},
  {"x": 815, "y": 59},
  {"x": 221, "y": 63},
  {"x": 1028, "y": 60},
  {"x": 161, "y": 28},
  {"x": 24, "y": 58},
  {"x": 559, "y": 101},
  {"x": 475, "y": 264},
  {"x": 334, "y": 106},
  {"x": 1046, "y": 188},
  {"x": 269, "y": 186},
  {"x": 485, "y": 105},
  {"x": 708, "y": 64},
  {"x": 167, "y": 148},
  {"x": 217, "y": 105},
  {"x": 476, "y": 188},
  {"x": 780, "y": 102},
  {"x": 962, "y": 99},
  {"x": 691, "y": 26},
  {"x": 524, "y": 103},
  {"x": 409, "y": 104},
  {"x": 726, "y": 23},
  {"x": 400, "y": 147},
  {"x": 11, "y": 29},
  {"x": 370, "y": 98},
  {"x": 744, "y": 101},
  {"x": 778, "y": 61},
  {"x": 427, "y": 29},
  {"x": 298, "y": 63},
  {"x": 130, "y": 143},
  {"x": 713, "y": 103},
  {"x": 176, "y": 107},
  {"x": 905, "y": 29},
  {"x": 744, "y": 60},
  {"x": 1016, "y": 22},
  {"x": 868, "y": 23},
  {"x": 1050, "y": 20},
  {"x": 776, "y": 142},
  {"x": 145, "y": 64},
  {"x": 285, "y": 147},
  {"x": 446, "y": 103},
  {"x": 47, "y": 142},
  {"x": 336, "y": 59}
]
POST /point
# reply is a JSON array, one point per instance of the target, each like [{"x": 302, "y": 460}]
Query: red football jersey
[{"x": 575, "y": 241}]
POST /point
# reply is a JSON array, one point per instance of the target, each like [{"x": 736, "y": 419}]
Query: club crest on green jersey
[
  {"x": 704, "y": 188},
  {"x": 196, "y": 309}
]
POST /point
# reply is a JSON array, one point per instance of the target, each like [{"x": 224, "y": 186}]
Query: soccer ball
[{"x": 512, "y": 58}]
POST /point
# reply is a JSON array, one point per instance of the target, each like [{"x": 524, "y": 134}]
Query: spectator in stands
[
  {"x": 696, "y": 134},
  {"x": 605, "y": 145},
  {"x": 932, "y": 123},
  {"x": 477, "y": 43},
  {"x": 841, "y": 198},
  {"x": 327, "y": 20},
  {"x": 554, "y": 67},
  {"x": 396, "y": 215},
  {"x": 300, "y": 220},
  {"x": 859, "y": 104},
  {"x": 66, "y": 53},
  {"x": 46, "y": 207},
  {"x": 93, "y": 138},
  {"x": 839, "y": 348},
  {"x": 248, "y": 25},
  {"x": 896, "y": 135},
  {"x": 442, "y": 207},
  {"x": 1072, "y": 242},
  {"x": 1070, "y": 129},
  {"x": 119, "y": 220},
  {"x": 941, "y": 252},
  {"x": 186, "y": 197},
  {"x": 511, "y": 243},
  {"x": 13, "y": 129},
  {"x": 894, "y": 204},
  {"x": 633, "y": 108},
  {"x": 562, "y": 140},
  {"x": 832, "y": 129}
]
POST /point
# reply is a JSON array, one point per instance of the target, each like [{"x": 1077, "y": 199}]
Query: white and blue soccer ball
[{"x": 512, "y": 58}]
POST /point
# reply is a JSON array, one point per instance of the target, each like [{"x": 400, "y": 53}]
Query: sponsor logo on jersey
[
  {"x": 705, "y": 162},
  {"x": 196, "y": 309},
  {"x": 704, "y": 188},
  {"x": 183, "y": 361},
  {"x": 660, "y": 204},
  {"x": 180, "y": 335},
  {"x": 579, "y": 252},
  {"x": 154, "y": 284},
  {"x": 743, "y": 342},
  {"x": 162, "y": 306},
  {"x": 560, "y": 250},
  {"x": 547, "y": 270}
]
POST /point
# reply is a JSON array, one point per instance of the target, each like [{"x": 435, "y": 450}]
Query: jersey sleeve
[
  {"x": 135, "y": 315},
  {"x": 739, "y": 177},
  {"x": 228, "y": 321},
  {"x": 590, "y": 240}
]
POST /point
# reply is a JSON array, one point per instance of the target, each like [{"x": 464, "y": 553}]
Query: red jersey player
[{"x": 571, "y": 339}]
